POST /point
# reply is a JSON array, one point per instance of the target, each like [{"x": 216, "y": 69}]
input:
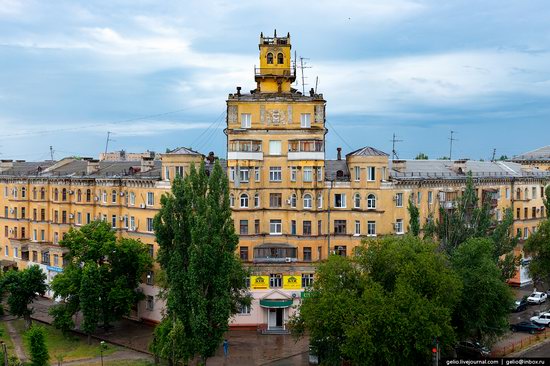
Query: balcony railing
[
  {"x": 245, "y": 146},
  {"x": 306, "y": 146},
  {"x": 275, "y": 71}
]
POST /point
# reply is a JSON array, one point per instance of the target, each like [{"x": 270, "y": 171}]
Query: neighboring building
[
  {"x": 292, "y": 207},
  {"x": 126, "y": 156},
  {"x": 539, "y": 158}
]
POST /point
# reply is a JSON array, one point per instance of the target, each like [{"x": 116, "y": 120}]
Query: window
[
  {"x": 180, "y": 171},
  {"x": 357, "y": 227},
  {"x": 6, "y": 211},
  {"x": 88, "y": 195},
  {"x": 275, "y": 174},
  {"x": 23, "y": 212},
  {"x": 131, "y": 198},
  {"x": 305, "y": 120},
  {"x": 150, "y": 302},
  {"x": 340, "y": 250},
  {"x": 275, "y": 227},
  {"x": 151, "y": 250},
  {"x": 34, "y": 193},
  {"x": 293, "y": 200},
  {"x": 113, "y": 221},
  {"x": 308, "y": 174},
  {"x": 339, "y": 226},
  {"x": 232, "y": 174},
  {"x": 534, "y": 212},
  {"x": 307, "y": 280},
  {"x": 371, "y": 228},
  {"x": 42, "y": 235},
  {"x": 55, "y": 194},
  {"x": 319, "y": 174},
  {"x": 256, "y": 226},
  {"x": 243, "y": 227},
  {"x": 46, "y": 258},
  {"x": 244, "y": 310},
  {"x": 319, "y": 227},
  {"x": 231, "y": 200},
  {"x": 167, "y": 173},
  {"x": 357, "y": 201},
  {"x": 293, "y": 227},
  {"x": 35, "y": 235},
  {"x": 246, "y": 120},
  {"x": 430, "y": 197},
  {"x": 56, "y": 260},
  {"x": 419, "y": 198},
  {"x": 371, "y": 201},
  {"x": 104, "y": 196},
  {"x": 399, "y": 226},
  {"x": 275, "y": 200},
  {"x": 132, "y": 223},
  {"x": 293, "y": 173},
  {"x": 257, "y": 200},
  {"x": 525, "y": 213},
  {"x": 150, "y": 198},
  {"x": 306, "y": 229},
  {"x": 149, "y": 224},
  {"x": 399, "y": 200},
  {"x": 79, "y": 195},
  {"x": 534, "y": 192},
  {"x": 55, "y": 238},
  {"x": 6, "y": 251},
  {"x": 307, "y": 254},
  {"x": 371, "y": 173},
  {"x": 308, "y": 201},
  {"x": 113, "y": 196},
  {"x": 269, "y": 58},
  {"x": 275, "y": 280},
  {"x": 274, "y": 147},
  {"x": 244, "y": 200},
  {"x": 64, "y": 194},
  {"x": 16, "y": 252},
  {"x": 6, "y": 191},
  {"x": 525, "y": 233},
  {"x": 23, "y": 192},
  {"x": 507, "y": 193},
  {"x": 320, "y": 200},
  {"x": 357, "y": 173},
  {"x": 257, "y": 174},
  {"x": 150, "y": 278},
  {"x": 340, "y": 200},
  {"x": 518, "y": 213},
  {"x": 243, "y": 175},
  {"x": 243, "y": 253},
  {"x": 79, "y": 218},
  {"x": 280, "y": 58},
  {"x": 88, "y": 217}
]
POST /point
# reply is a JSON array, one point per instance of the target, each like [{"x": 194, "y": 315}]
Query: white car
[
  {"x": 542, "y": 319},
  {"x": 537, "y": 298}
]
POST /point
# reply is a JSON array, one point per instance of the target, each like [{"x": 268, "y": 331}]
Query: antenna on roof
[
  {"x": 451, "y": 147},
  {"x": 393, "y": 152},
  {"x": 316, "y": 83},
  {"x": 494, "y": 153},
  {"x": 51, "y": 152},
  {"x": 302, "y": 67},
  {"x": 107, "y": 143}
]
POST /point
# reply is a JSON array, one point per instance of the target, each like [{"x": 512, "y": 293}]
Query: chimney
[
  {"x": 239, "y": 91},
  {"x": 147, "y": 164},
  {"x": 92, "y": 167},
  {"x": 459, "y": 166},
  {"x": 338, "y": 153},
  {"x": 399, "y": 165}
]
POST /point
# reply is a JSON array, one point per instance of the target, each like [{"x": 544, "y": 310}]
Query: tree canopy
[
  {"x": 421, "y": 156},
  {"x": 100, "y": 278},
  {"x": 538, "y": 246},
  {"x": 205, "y": 281}
]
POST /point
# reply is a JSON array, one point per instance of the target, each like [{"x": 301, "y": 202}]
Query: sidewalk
[{"x": 245, "y": 347}]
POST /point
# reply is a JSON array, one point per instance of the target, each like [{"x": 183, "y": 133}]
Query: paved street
[{"x": 541, "y": 350}]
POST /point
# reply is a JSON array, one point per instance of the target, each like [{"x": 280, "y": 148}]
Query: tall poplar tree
[{"x": 205, "y": 281}]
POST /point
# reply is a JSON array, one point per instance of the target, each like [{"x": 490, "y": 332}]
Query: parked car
[
  {"x": 471, "y": 349},
  {"x": 542, "y": 319},
  {"x": 520, "y": 305},
  {"x": 537, "y": 298},
  {"x": 529, "y": 327}
]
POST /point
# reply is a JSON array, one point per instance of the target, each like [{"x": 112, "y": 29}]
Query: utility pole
[
  {"x": 51, "y": 152},
  {"x": 393, "y": 152},
  {"x": 451, "y": 147},
  {"x": 107, "y": 144},
  {"x": 494, "y": 153}
]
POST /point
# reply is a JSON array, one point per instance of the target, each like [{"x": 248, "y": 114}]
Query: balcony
[
  {"x": 306, "y": 150},
  {"x": 245, "y": 150},
  {"x": 275, "y": 72},
  {"x": 275, "y": 253}
]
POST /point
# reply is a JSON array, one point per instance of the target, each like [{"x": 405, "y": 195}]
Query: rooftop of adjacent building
[
  {"x": 293, "y": 96},
  {"x": 542, "y": 153}
]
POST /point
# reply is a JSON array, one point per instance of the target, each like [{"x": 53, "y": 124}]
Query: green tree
[
  {"x": 421, "y": 156},
  {"x": 538, "y": 246},
  {"x": 547, "y": 201},
  {"x": 383, "y": 307},
  {"x": 503, "y": 157},
  {"x": 414, "y": 218},
  {"x": 90, "y": 292},
  {"x": 37, "y": 346},
  {"x": 119, "y": 264},
  {"x": 23, "y": 288},
  {"x": 483, "y": 309},
  {"x": 205, "y": 281}
]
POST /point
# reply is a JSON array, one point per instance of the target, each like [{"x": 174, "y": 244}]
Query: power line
[{"x": 341, "y": 138}]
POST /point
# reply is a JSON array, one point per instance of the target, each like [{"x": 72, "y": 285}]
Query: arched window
[
  {"x": 55, "y": 194},
  {"x": 113, "y": 196},
  {"x": 231, "y": 200},
  {"x": 308, "y": 201},
  {"x": 280, "y": 58},
  {"x": 257, "y": 200},
  {"x": 293, "y": 200},
  {"x": 79, "y": 196},
  {"x": 320, "y": 200},
  {"x": 357, "y": 201},
  {"x": 104, "y": 196},
  {"x": 14, "y": 192},
  {"x": 42, "y": 193},
  {"x": 371, "y": 201},
  {"x": 518, "y": 194},
  {"x": 88, "y": 195},
  {"x": 34, "y": 193},
  {"x": 244, "y": 200},
  {"x": 64, "y": 194},
  {"x": 23, "y": 192},
  {"x": 270, "y": 58},
  {"x": 525, "y": 195}
]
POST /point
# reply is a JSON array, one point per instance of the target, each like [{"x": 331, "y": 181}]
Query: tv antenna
[
  {"x": 316, "y": 83},
  {"x": 451, "y": 139},
  {"x": 303, "y": 65},
  {"x": 494, "y": 153},
  {"x": 51, "y": 152},
  {"x": 394, "y": 141},
  {"x": 107, "y": 143}
]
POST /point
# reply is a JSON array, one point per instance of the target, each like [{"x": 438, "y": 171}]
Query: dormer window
[
  {"x": 280, "y": 58},
  {"x": 270, "y": 58}
]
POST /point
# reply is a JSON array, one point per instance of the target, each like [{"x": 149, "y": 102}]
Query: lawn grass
[
  {"x": 70, "y": 348},
  {"x": 5, "y": 337}
]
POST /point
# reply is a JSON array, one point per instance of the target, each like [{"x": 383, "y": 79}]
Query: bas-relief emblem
[
  {"x": 276, "y": 117},
  {"x": 232, "y": 114}
]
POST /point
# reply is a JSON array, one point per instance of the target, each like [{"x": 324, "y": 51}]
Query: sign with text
[
  {"x": 292, "y": 282},
  {"x": 259, "y": 282}
]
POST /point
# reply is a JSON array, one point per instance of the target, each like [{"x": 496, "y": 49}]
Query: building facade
[{"x": 292, "y": 207}]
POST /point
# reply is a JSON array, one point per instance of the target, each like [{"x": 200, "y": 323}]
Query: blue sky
[{"x": 157, "y": 73}]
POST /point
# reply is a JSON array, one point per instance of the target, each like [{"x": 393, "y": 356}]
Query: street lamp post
[{"x": 101, "y": 345}]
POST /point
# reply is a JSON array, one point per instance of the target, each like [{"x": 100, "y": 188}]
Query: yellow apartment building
[{"x": 292, "y": 206}]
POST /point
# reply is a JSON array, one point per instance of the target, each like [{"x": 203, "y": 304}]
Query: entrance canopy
[{"x": 274, "y": 304}]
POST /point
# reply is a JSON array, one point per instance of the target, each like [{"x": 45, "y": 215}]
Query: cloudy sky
[{"x": 156, "y": 73}]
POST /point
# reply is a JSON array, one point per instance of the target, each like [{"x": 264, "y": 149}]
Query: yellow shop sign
[
  {"x": 259, "y": 282},
  {"x": 292, "y": 282}
]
